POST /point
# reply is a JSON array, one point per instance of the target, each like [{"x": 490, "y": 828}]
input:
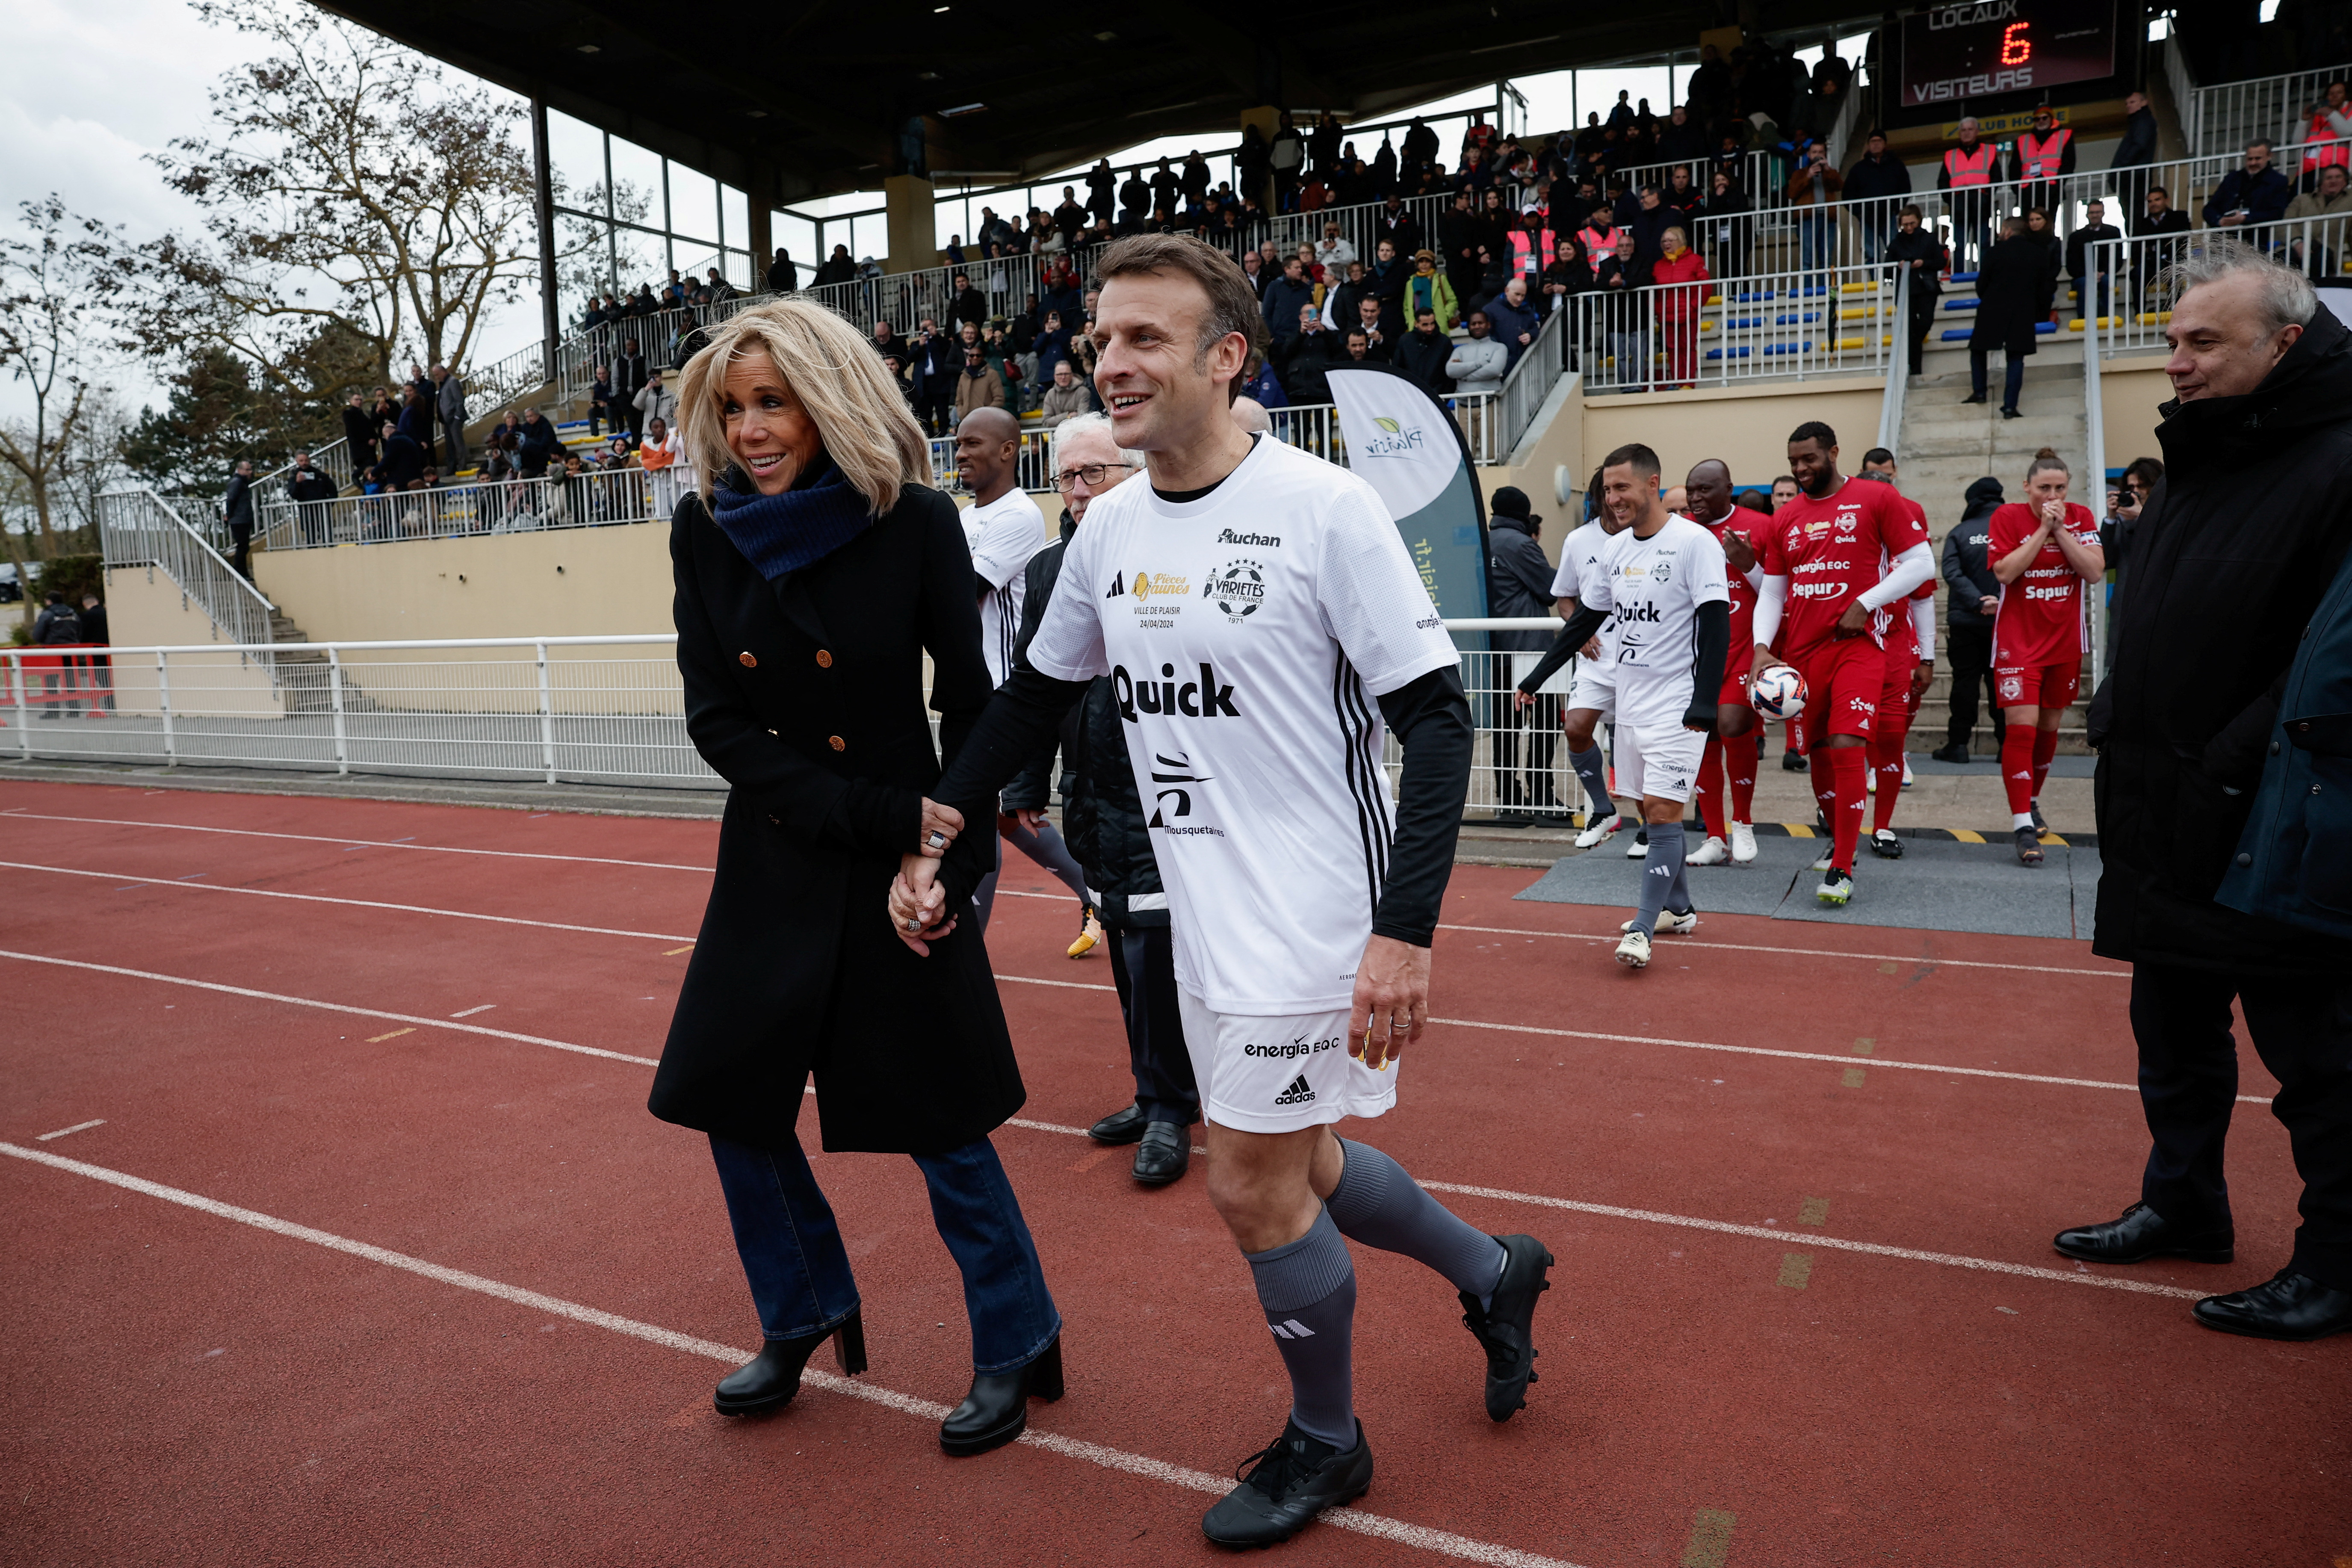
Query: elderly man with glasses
[{"x": 1105, "y": 820}]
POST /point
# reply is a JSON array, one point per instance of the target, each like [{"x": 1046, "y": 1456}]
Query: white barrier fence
[
  {"x": 589, "y": 500},
  {"x": 579, "y": 710},
  {"x": 1815, "y": 322}
]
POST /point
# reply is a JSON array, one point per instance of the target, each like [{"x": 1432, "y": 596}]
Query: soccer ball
[{"x": 1778, "y": 692}]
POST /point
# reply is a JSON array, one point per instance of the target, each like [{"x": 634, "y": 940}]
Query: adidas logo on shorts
[{"x": 1296, "y": 1094}]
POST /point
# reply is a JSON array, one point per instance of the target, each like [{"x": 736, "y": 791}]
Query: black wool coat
[
  {"x": 2009, "y": 297},
  {"x": 2234, "y": 553},
  {"x": 806, "y": 695}
]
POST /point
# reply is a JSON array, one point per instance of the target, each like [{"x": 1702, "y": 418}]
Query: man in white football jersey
[
  {"x": 1662, "y": 583},
  {"x": 1592, "y": 694},
  {"x": 1262, "y": 623}
]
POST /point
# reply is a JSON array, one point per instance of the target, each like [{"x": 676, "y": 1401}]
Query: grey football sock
[
  {"x": 1378, "y": 1204},
  {"x": 1048, "y": 849},
  {"x": 1660, "y": 869},
  {"x": 1308, "y": 1290},
  {"x": 1678, "y": 897},
  {"x": 1592, "y": 771}
]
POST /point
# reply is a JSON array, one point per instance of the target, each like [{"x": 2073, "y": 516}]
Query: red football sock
[
  {"x": 1817, "y": 762},
  {"x": 2045, "y": 746},
  {"x": 1739, "y": 763},
  {"x": 1886, "y": 760},
  {"x": 1849, "y": 767},
  {"x": 2017, "y": 765},
  {"x": 1710, "y": 790}
]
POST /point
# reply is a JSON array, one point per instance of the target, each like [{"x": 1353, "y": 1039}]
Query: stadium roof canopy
[{"x": 807, "y": 97}]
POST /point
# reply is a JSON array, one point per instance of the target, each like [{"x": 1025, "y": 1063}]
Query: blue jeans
[
  {"x": 1815, "y": 233},
  {"x": 799, "y": 1273}
]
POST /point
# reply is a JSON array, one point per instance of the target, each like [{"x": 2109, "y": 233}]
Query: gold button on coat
[
  {"x": 836, "y": 743},
  {"x": 824, "y": 659},
  {"x": 747, "y": 661}
]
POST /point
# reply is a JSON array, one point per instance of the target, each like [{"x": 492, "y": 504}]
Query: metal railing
[
  {"x": 580, "y": 710},
  {"x": 1790, "y": 325},
  {"x": 1844, "y": 233},
  {"x": 2223, "y": 118},
  {"x": 1494, "y": 423},
  {"x": 2134, "y": 310},
  {"x": 333, "y": 460},
  {"x": 139, "y": 528},
  {"x": 2094, "y": 424},
  {"x": 593, "y": 498},
  {"x": 1899, "y": 375}
]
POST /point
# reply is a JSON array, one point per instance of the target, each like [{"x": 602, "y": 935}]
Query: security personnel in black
[
  {"x": 1518, "y": 584},
  {"x": 1103, "y": 819}
]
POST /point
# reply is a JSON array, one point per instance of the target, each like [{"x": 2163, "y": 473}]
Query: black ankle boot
[
  {"x": 769, "y": 1379},
  {"x": 996, "y": 1411}
]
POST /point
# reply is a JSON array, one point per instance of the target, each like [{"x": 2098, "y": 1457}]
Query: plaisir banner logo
[{"x": 1396, "y": 440}]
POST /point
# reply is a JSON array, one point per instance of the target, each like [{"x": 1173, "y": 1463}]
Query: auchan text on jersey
[{"x": 1203, "y": 699}]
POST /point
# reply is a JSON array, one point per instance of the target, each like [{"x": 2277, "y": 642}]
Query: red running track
[{"x": 1800, "y": 1320}]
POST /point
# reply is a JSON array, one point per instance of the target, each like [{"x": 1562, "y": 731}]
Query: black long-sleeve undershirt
[
  {"x": 1579, "y": 630},
  {"x": 1431, "y": 718},
  {"x": 1710, "y": 645}
]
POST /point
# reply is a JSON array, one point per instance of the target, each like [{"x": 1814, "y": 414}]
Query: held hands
[
  {"x": 940, "y": 823},
  {"x": 1391, "y": 1001},
  {"x": 918, "y": 904}
]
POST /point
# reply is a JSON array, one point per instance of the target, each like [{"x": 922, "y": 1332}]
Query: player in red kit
[
  {"x": 1833, "y": 556},
  {"x": 1908, "y": 632},
  {"x": 1732, "y": 751},
  {"x": 2043, "y": 550}
]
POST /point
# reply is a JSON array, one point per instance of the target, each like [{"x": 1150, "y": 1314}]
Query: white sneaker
[
  {"x": 1907, "y": 770},
  {"x": 1821, "y": 863},
  {"x": 1633, "y": 952},
  {"x": 1673, "y": 924},
  {"x": 1711, "y": 853},
  {"x": 1743, "y": 844},
  {"x": 1636, "y": 849},
  {"x": 1597, "y": 829}
]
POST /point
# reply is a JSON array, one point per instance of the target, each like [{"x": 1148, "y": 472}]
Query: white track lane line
[
  {"x": 1852, "y": 1062},
  {"x": 1727, "y": 1228},
  {"x": 355, "y": 903},
  {"x": 354, "y": 843},
  {"x": 2117, "y": 973},
  {"x": 417, "y": 1019},
  {"x": 1444, "y": 1543}
]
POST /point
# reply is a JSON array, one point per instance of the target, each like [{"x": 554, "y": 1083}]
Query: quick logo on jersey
[
  {"x": 1202, "y": 699},
  {"x": 1647, "y": 610},
  {"x": 1238, "y": 588},
  {"x": 1296, "y": 1094}
]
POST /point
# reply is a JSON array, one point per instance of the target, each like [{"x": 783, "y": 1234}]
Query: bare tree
[
  {"x": 60, "y": 283},
  {"x": 350, "y": 182}
]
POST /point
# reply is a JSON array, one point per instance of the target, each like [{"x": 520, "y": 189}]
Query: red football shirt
[
  {"x": 1896, "y": 633},
  {"x": 2041, "y": 618},
  {"x": 1832, "y": 551},
  {"x": 1752, "y": 526}
]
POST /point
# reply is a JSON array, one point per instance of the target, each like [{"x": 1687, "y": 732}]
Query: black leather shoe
[
  {"x": 769, "y": 1379},
  {"x": 997, "y": 1409},
  {"x": 1165, "y": 1153},
  {"x": 1119, "y": 1127},
  {"x": 1294, "y": 1478},
  {"x": 1974, "y": 398},
  {"x": 1955, "y": 752},
  {"x": 1503, "y": 1330},
  {"x": 1793, "y": 763},
  {"x": 2140, "y": 1234},
  {"x": 2291, "y": 1307}
]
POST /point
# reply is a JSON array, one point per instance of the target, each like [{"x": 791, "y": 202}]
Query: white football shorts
[{"x": 1278, "y": 1075}]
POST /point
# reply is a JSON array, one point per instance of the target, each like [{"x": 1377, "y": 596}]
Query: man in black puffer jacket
[
  {"x": 1968, "y": 620},
  {"x": 1104, "y": 821},
  {"x": 2232, "y": 554}
]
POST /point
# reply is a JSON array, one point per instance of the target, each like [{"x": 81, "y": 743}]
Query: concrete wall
[
  {"x": 2129, "y": 393},
  {"x": 144, "y": 608}
]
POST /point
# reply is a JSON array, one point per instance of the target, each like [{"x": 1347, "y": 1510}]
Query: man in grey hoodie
[
  {"x": 1975, "y": 596},
  {"x": 1477, "y": 363}
]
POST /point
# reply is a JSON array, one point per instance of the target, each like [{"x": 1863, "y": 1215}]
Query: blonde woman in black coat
[{"x": 814, "y": 568}]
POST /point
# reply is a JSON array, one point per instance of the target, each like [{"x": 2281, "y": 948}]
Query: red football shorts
[
  {"x": 1735, "y": 684},
  {"x": 2039, "y": 684},
  {"x": 1895, "y": 695},
  {"x": 1842, "y": 680}
]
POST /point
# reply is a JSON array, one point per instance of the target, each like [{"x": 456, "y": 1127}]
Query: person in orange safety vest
[
  {"x": 1969, "y": 165},
  {"x": 2044, "y": 154}
]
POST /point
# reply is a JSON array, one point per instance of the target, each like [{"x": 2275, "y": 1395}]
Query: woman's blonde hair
[{"x": 839, "y": 380}]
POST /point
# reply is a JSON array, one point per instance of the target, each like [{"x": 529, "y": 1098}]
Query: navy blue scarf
[{"x": 782, "y": 533}]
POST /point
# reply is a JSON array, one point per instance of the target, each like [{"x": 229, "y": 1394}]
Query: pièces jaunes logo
[{"x": 1161, "y": 585}]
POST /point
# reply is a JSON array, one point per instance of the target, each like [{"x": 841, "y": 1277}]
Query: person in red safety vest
[
  {"x": 2327, "y": 142},
  {"x": 2044, "y": 153},
  {"x": 1533, "y": 245},
  {"x": 1969, "y": 165},
  {"x": 1599, "y": 235}
]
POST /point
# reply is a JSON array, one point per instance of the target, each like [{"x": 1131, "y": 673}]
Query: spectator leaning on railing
[{"x": 2332, "y": 200}]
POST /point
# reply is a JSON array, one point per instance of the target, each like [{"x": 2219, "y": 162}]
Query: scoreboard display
[{"x": 1984, "y": 48}]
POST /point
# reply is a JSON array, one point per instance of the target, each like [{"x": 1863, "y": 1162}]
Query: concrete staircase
[{"x": 1945, "y": 446}]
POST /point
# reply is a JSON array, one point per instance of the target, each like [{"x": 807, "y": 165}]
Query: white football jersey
[
  {"x": 1653, "y": 588},
  {"x": 1002, "y": 535},
  {"x": 1580, "y": 561},
  {"x": 1247, "y": 634}
]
